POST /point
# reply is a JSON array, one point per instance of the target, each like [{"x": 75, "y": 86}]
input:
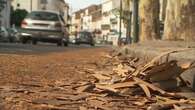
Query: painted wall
[
  {"x": 26, "y": 4},
  {"x": 5, "y": 15}
]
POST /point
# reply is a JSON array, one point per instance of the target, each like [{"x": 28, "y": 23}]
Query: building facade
[
  {"x": 28, "y": 5},
  {"x": 97, "y": 18},
  {"x": 53, "y": 5},
  {"x": 103, "y": 18},
  {"x": 111, "y": 21},
  {"x": 76, "y": 21},
  {"x": 5, "y": 15},
  {"x": 56, "y": 5},
  {"x": 86, "y": 19}
]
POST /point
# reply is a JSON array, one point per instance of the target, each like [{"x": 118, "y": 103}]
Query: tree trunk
[
  {"x": 180, "y": 20},
  {"x": 163, "y": 5},
  {"x": 149, "y": 19}
]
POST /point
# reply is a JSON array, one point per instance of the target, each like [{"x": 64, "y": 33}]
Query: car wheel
[
  {"x": 65, "y": 44},
  {"x": 77, "y": 43},
  {"x": 59, "y": 44},
  {"x": 34, "y": 42},
  {"x": 92, "y": 44},
  {"x": 24, "y": 41},
  {"x": 11, "y": 40}
]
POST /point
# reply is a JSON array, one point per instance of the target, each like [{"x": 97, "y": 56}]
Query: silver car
[{"x": 44, "y": 26}]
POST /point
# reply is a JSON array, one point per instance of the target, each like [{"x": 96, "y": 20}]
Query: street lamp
[
  {"x": 128, "y": 30},
  {"x": 135, "y": 21},
  {"x": 120, "y": 24}
]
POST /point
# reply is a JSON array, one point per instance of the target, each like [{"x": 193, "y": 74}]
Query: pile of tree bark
[{"x": 158, "y": 78}]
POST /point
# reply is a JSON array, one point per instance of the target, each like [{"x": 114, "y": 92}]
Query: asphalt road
[{"x": 41, "y": 48}]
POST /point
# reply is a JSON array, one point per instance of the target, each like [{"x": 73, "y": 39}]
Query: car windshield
[
  {"x": 84, "y": 35},
  {"x": 43, "y": 16}
]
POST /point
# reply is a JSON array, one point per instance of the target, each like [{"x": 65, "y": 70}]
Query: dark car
[
  {"x": 44, "y": 26},
  {"x": 13, "y": 35},
  {"x": 85, "y": 38},
  {"x": 123, "y": 41}
]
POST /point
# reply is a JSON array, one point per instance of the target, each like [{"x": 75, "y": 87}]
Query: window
[
  {"x": 18, "y": 5},
  {"x": 43, "y": 16}
]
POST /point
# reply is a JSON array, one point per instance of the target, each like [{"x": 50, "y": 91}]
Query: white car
[
  {"x": 72, "y": 39},
  {"x": 3, "y": 34},
  {"x": 44, "y": 26}
]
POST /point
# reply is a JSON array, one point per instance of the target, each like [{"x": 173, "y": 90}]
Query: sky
[{"x": 79, "y": 4}]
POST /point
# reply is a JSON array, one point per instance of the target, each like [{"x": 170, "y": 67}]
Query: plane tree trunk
[
  {"x": 163, "y": 5},
  {"x": 149, "y": 19},
  {"x": 180, "y": 20}
]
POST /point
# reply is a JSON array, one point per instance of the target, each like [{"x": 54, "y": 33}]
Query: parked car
[
  {"x": 13, "y": 35},
  {"x": 72, "y": 39},
  {"x": 85, "y": 38},
  {"x": 123, "y": 41},
  {"x": 44, "y": 26},
  {"x": 3, "y": 34}
]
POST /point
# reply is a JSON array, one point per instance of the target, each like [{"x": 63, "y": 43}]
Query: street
[
  {"x": 43, "y": 72},
  {"x": 41, "y": 48}
]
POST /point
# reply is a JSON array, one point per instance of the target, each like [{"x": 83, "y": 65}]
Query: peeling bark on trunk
[
  {"x": 149, "y": 19},
  {"x": 170, "y": 21},
  {"x": 180, "y": 20},
  {"x": 163, "y": 5}
]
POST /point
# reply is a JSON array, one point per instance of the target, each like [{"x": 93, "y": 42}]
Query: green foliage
[{"x": 17, "y": 16}]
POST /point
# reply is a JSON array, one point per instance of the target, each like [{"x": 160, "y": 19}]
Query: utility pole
[
  {"x": 135, "y": 21},
  {"x": 31, "y": 5},
  {"x": 120, "y": 24},
  {"x": 128, "y": 35}
]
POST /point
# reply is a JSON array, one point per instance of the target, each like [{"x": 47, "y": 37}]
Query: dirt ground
[
  {"x": 51, "y": 82},
  {"x": 46, "y": 81}
]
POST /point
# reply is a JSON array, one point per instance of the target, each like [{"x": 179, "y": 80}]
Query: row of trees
[{"x": 178, "y": 16}]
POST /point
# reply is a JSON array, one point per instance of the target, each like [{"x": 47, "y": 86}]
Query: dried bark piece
[
  {"x": 80, "y": 97},
  {"x": 98, "y": 104},
  {"x": 101, "y": 77},
  {"x": 146, "y": 90},
  {"x": 165, "y": 71},
  {"x": 82, "y": 108},
  {"x": 155, "y": 61},
  {"x": 123, "y": 85},
  {"x": 107, "y": 88},
  {"x": 85, "y": 88},
  {"x": 149, "y": 85}
]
